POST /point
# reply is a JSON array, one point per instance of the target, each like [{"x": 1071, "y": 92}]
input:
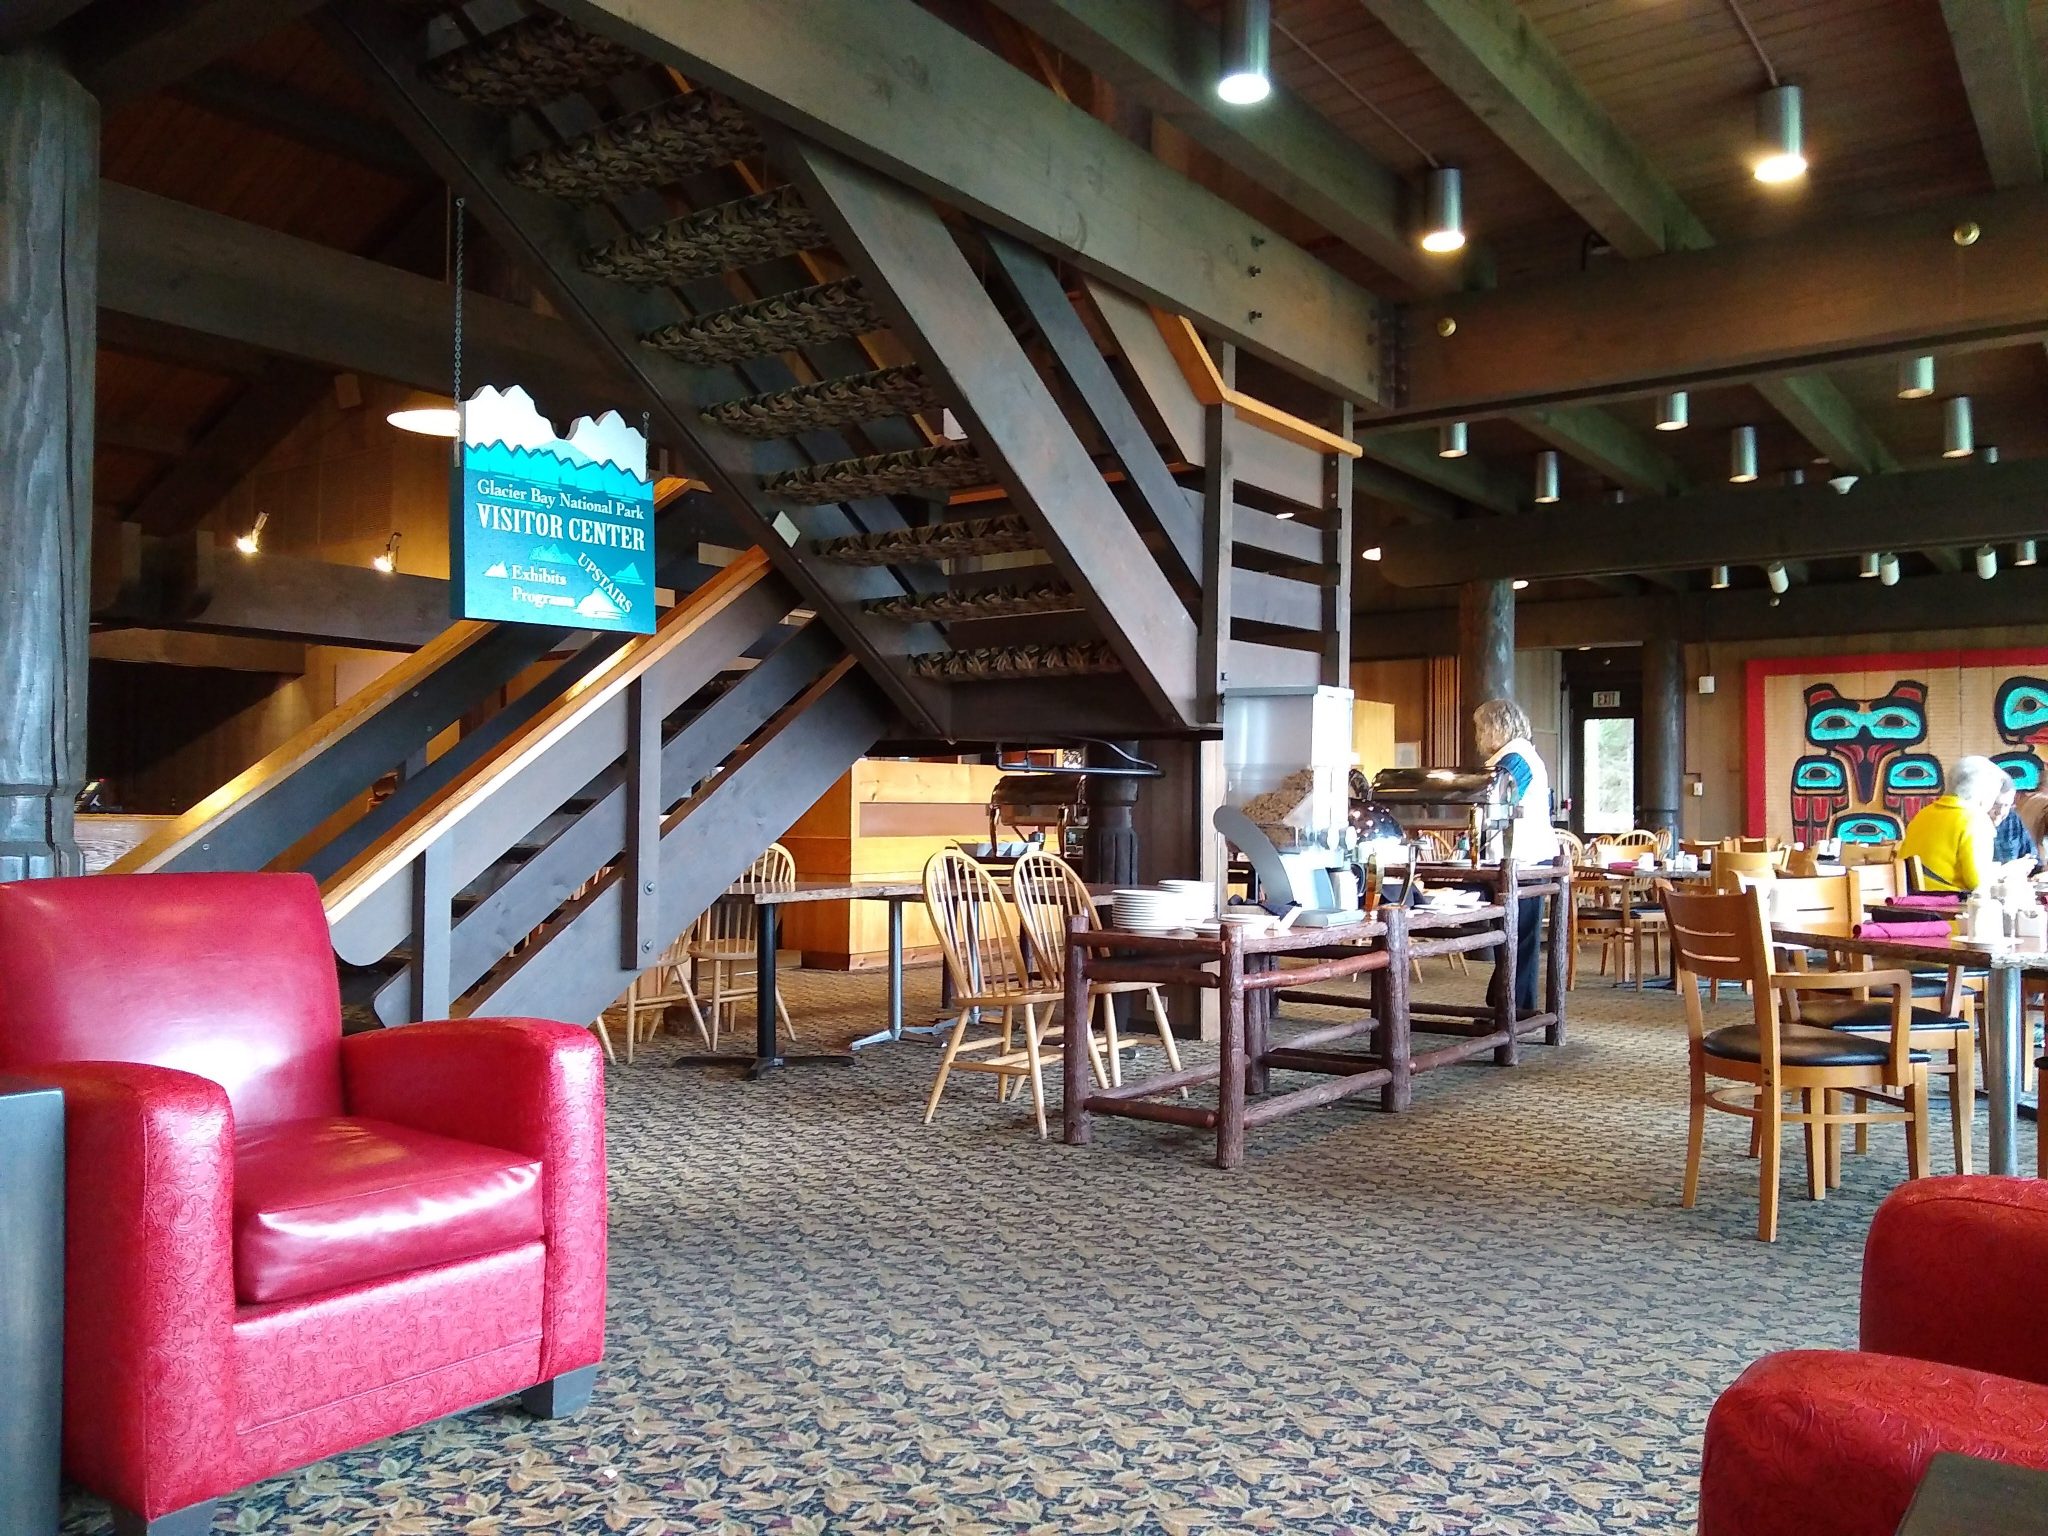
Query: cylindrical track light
[
  {"x": 1443, "y": 209},
  {"x": 1450, "y": 440},
  {"x": 1779, "y": 578},
  {"x": 1987, "y": 561},
  {"x": 1888, "y": 569},
  {"x": 1867, "y": 567},
  {"x": 1546, "y": 476},
  {"x": 2024, "y": 553},
  {"x": 1781, "y": 135},
  {"x": 1916, "y": 378},
  {"x": 1717, "y": 578},
  {"x": 1247, "y": 52},
  {"x": 1958, "y": 432},
  {"x": 1742, "y": 455},
  {"x": 1673, "y": 411},
  {"x": 1793, "y": 476}
]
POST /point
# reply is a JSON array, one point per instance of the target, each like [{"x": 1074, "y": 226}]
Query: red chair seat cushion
[
  {"x": 336, "y": 1201},
  {"x": 1833, "y": 1442}
]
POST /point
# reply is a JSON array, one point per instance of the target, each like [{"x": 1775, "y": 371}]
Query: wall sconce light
[
  {"x": 387, "y": 562},
  {"x": 248, "y": 543}
]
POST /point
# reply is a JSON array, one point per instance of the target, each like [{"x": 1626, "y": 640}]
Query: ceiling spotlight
[
  {"x": 1778, "y": 577},
  {"x": 1793, "y": 476},
  {"x": 1916, "y": 378},
  {"x": 1717, "y": 578},
  {"x": 1450, "y": 440},
  {"x": 1958, "y": 434},
  {"x": 1546, "y": 476},
  {"x": 248, "y": 543},
  {"x": 1673, "y": 411},
  {"x": 1781, "y": 135},
  {"x": 1742, "y": 455},
  {"x": 1843, "y": 484},
  {"x": 428, "y": 415},
  {"x": 1988, "y": 454},
  {"x": 1520, "y": 584},
  {"x": 1247, "y": 51},
  {"x": 1371, "y": 552},
  {"x": 387, "y": 561},
  {"x": 1283, "y": 517},
  {"x": 1443, "y": 209},
  {"x": 2023, "y": 553},
  {"x": 1867, "y": 567},
  {"x": 1987, "y": 561},
  {"x": 1888, "y": 569}
]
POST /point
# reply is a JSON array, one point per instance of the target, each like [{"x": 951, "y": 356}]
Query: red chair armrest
[
  {"x": 527, "y": 1085},
  {"x": 1952, "y": 1272},
  {"x": 149, "y": 1287}
]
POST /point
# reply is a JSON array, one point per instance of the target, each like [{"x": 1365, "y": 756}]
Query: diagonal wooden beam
[
  {"x": 121, "y": 50},
  {"x": 236, "y": 443},
  {"x": 1618, "y": 451},
  {"x": 1502, "y": 66},
  {"x": 870, "y": 78},
  {"x": 262, "y": 102},
  {"x": 2001, "y": 72}
]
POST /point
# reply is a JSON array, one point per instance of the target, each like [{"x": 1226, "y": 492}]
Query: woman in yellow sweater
[{"x": 1952, "y": 838}]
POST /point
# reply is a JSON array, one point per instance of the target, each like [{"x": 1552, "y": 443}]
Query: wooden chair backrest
[
  {"x": 1858, "y": 855},
  {"x": 1758, "y": 844},
  {"x": 974, "y": 928},
  {"x": 1915, "y": 873},
  {"x": 1824, "y": 902},
  {"x": 1572, "y": 844},
  {"x": 1730, "y": 864},
  {"x": 1878, "y": 882},
  {"x": 1049, "y": 894},
  {"x": 1802, "y": 863},
  {"x": 1723, "y": 937},
  {"x": 1639, "y": 839},
  {"x": 732, "y": 921}
]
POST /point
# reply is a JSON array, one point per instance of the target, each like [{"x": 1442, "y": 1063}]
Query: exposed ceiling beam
[
  {"x": 272, "y": 105},
  {"x": 1881, "y": 287},
  {"x": 1953, "y": 505},
  {"x": 172, "y": 344},
  {"x": 1838, "y": 610},
  {"x": 1502, "y": 66},
  {"x": 2001, "y": 72},
  {"x": 264, "y": 415},
  {"x": 1414, "y": 454},
  {"x": 134, "y": 436},
  {"x": 1617, "y": 450},
  {"x": 121, "y": 50},
  {"x": 870, "y": 78},
  {"x": 174, "y": 265},
  {"x": 25, "y": 19},
  {"x": 178, "y": 648}
]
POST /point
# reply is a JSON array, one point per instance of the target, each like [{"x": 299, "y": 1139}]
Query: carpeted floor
[{"x": 1487, "y": 1315}]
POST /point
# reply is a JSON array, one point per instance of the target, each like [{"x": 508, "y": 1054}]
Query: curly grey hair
[
  {"x": 1498, "y": 722},
  {"x": 1978, "y": 781}
]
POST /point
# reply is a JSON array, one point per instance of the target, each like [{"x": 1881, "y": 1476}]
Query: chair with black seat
[{"x": 1727, "y": 937}]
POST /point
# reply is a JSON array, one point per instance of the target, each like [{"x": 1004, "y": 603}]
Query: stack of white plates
[
  {"x": 1145, "y": 910},
  {"x": 1197, "y": 898}
]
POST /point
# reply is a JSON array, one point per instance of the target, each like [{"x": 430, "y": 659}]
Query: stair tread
[
  {"x": 941, "y": 467},
  {"x": 997, "y": 533},
  {"x": 830, "y": 402},
  {"x": 665, "y": 142},
  {"x": 801, "y": 317},
  {"x": 740, "y": 233},
  {"x": 540, "y": 58},
  {"x": 990, "y": 663},
  {"x": 1004, "y": 601}
]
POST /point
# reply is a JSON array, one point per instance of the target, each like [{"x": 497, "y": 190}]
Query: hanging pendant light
[
  {"x": 1867, "y": 567},
  {"x": 1546, "y": 476},
  {"x": 2023, "y": 553},
  {"x": 1443, "y": 209},
  {"x": 1888, "y": 569},
  {"x": 1781, "y": 135},
  {"x": 1717, "y": 578},
  {"x": 1673, "y": 411},
  {"x": 1958, "y": 433},
  {"x": 1742, "y": 455},
  {"x": 1247, "y": 52},
  {"x": 1916, "y": 378},
  {"x": 428, "y": 415},
  {"x": 1450, "y": 440}
]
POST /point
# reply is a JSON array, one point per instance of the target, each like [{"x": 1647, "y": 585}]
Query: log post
[
  {"x": 1230, "y": 1062},
  {"x": 1505, "y": 1014},
  {"x": 1663, "y": 729},
  {"x": 1486, "y": 653},
  {"x": 1074, "y": 1084},
  {"x": 49, "y": 258},
  {"x": 1560, "y": 952},
  {"x": 1395, "y": 1040}
]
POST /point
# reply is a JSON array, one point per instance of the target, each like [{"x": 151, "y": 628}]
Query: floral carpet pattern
[{"x": 1487, "y": 1315}]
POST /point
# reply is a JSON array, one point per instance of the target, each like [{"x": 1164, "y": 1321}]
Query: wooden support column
[
  {"x": 1337, "y": 541},
  {"x": 1486, "y": 653},
  {"x": 49, "y": 258},
  {"x": 1663, "y": 728},
  {"x": 1111, "y": 853}
]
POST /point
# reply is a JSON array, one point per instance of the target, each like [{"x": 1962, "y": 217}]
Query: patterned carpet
[{"x": 1487, "y": 1315}]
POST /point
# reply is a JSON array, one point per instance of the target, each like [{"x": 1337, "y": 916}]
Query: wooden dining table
[{"x": 2005, "y": 1026}]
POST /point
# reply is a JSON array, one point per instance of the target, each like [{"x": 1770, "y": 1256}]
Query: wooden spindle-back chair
[
  {"x": 1727, "y": 937},
  {"x": 721, "y": 946}
]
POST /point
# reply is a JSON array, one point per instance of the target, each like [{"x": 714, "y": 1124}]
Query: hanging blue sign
[{"x": 551, "y": 529}]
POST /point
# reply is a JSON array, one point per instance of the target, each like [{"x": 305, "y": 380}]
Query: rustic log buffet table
[{"x": 1245, "y": 971}]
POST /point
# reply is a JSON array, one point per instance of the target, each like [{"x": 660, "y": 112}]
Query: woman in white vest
[{"x": 1502, "y": 728}]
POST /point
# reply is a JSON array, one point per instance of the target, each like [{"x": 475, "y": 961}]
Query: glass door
[{"x": 1609, "y": 745}]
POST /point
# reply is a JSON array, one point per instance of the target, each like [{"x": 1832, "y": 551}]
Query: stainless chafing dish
[
  {"x": 1477, "y": 800},
  {"x": 1053, "y": 803}
]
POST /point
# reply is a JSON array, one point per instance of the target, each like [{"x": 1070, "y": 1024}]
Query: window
[{"x": 1610, "y": 760}]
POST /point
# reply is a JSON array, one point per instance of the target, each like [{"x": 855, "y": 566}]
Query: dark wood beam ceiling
[
  {"x": 21, "y": 20},
  {"x": 871, "y": 78},
  {"x": 273, "y": 105},
  {"x": 121, "y": 49},
  {"x": 2001, "y": 72}
]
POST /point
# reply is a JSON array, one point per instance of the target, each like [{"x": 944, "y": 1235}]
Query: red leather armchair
[
  {"x": 282, "y": 1243},
  {"x": 1953, "y": 1358}
]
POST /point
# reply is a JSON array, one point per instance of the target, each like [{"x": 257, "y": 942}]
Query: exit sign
[{"x": 1607, "y": 698}]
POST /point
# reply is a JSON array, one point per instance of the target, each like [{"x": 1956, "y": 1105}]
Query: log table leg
[
  {"x": 1396, "y": 1042},
  {"x": 1230, "y": 1082},
  {"x": 1505, "y": 1014},
  {"x": 1074, "y": 1057},
  {"x": 1258, "y": 1030},
  {"x": 1560, "y": 959}
]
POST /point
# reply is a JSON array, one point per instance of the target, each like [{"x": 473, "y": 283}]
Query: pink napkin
[
  {"x": 1932, "y": 901},
  {"x": 1909, "y": 932},
  {"x": 1626, "y": 867}
]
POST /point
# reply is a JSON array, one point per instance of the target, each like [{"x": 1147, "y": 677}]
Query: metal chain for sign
[{"x": 460, "y": 204}]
